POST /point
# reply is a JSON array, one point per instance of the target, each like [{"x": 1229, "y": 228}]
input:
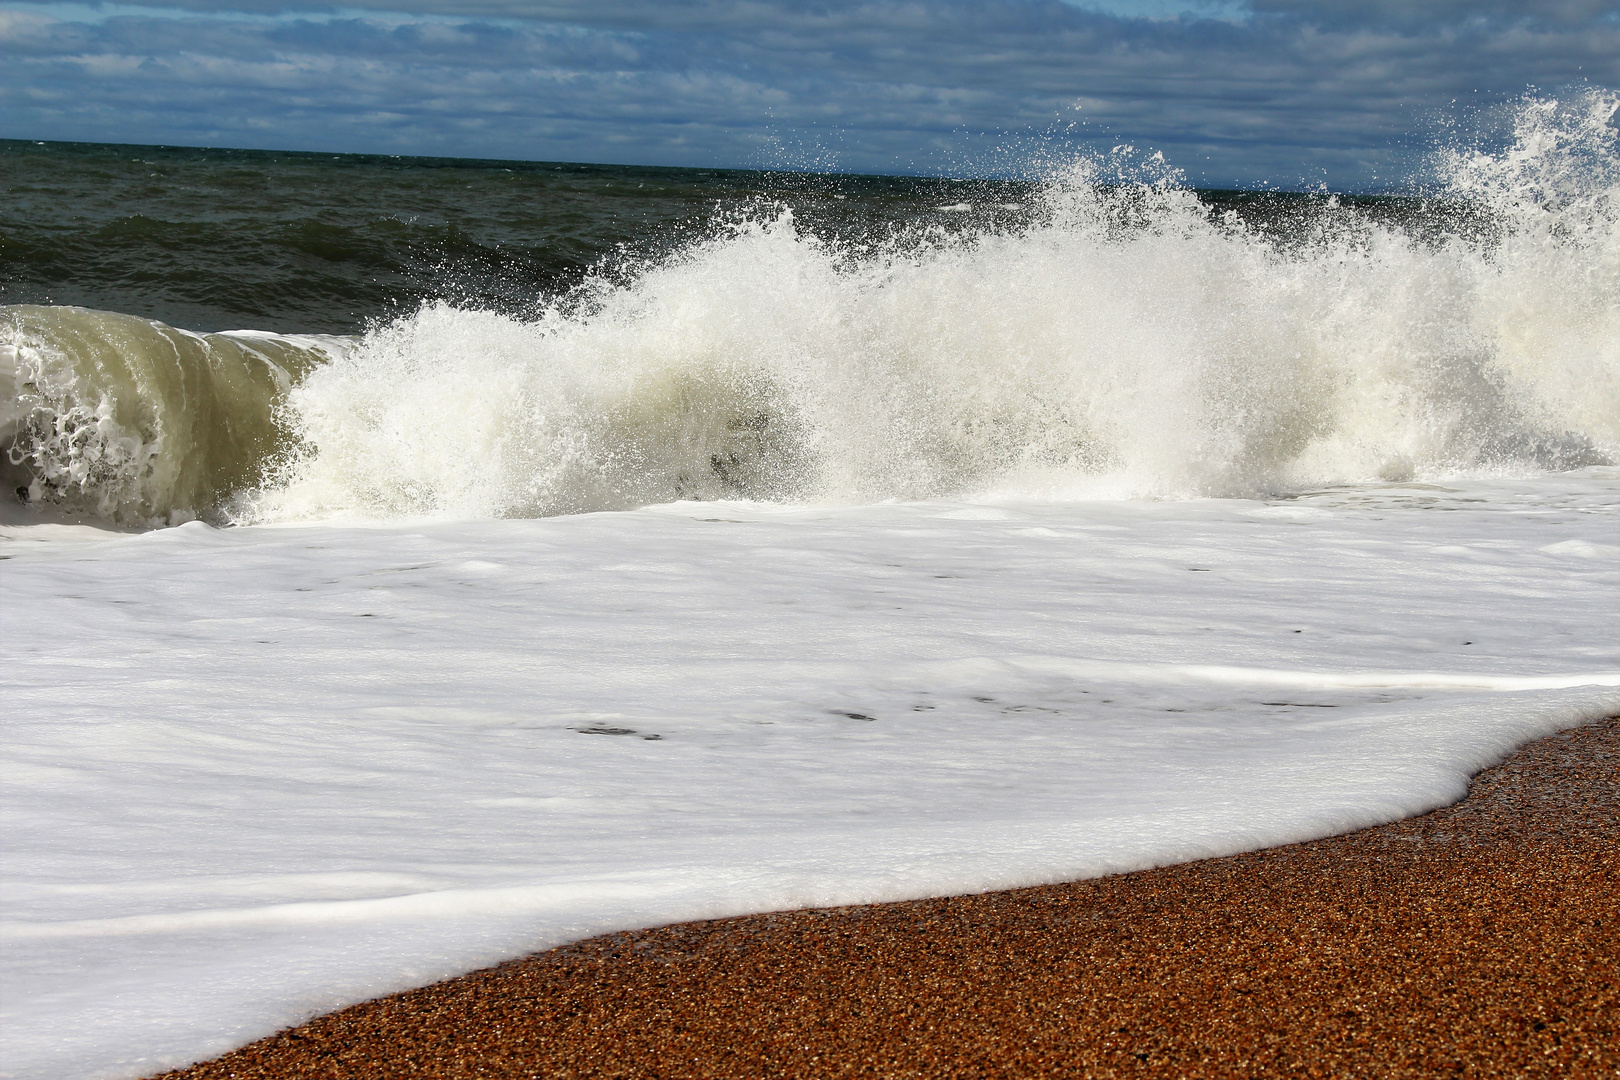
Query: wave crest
[
  {"x": 137, "y": 422},
  {"x": 1130, "y": 343}
]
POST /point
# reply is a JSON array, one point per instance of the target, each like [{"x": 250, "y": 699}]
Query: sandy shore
[{"x": 1479, "y": 940}]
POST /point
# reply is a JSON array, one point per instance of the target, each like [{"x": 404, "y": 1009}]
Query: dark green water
[{"x": 320, "y": 243}]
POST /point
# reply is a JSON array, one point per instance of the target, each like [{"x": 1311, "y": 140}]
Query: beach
[
  {"x": 1477, "y": 940},
  {"x": 684, "y": 545}
]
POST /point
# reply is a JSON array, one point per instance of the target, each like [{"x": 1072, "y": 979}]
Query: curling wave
[{"x": 138, "y": 422}]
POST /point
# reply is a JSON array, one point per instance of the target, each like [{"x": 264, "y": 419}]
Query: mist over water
[{"x": 1111, "y": 334}]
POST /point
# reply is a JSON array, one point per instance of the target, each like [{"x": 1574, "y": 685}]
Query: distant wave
[{"x": 1127, "y": 343}]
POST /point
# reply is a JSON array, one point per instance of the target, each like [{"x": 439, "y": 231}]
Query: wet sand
[{"x": 1481, "y": 940}]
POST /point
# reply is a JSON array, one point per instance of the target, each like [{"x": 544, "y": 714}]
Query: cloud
[
  {"x": 1278, "y": 91},
  {"x": 1433, "y": 13}
]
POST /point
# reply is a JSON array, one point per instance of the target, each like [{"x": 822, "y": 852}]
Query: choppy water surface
[{"x": 322, "y": 243}]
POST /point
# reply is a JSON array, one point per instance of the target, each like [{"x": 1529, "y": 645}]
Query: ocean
[{"x": 410, "y": 563}]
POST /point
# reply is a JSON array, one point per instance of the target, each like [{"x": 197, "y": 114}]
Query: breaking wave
[
  {"x": 138, "y": 422},
  {"x": 1128, "y": 342}
]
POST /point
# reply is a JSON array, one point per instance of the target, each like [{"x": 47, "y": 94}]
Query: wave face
[
  {"x": 1123, "y": 339},
  {"x": 137, "y": 422}
]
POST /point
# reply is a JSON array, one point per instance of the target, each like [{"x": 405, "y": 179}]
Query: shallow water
[{"x": 258, "y": 772}]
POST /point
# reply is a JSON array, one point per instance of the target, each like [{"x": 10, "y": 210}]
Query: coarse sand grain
[{"x": 1480, "y": 940}]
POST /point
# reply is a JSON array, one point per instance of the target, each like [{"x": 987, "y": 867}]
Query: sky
[{"x": 1350, "y": 94}]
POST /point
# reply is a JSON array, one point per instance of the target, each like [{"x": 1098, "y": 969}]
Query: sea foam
[{"x": 257, "y": 773}]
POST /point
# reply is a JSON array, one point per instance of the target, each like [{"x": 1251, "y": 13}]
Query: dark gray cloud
[{"x": 1281, "y": 92}]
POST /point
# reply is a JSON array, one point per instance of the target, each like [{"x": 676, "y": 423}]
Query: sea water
[{"x": 798, "y": 543}]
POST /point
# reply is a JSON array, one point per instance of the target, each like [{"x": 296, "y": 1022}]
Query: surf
[
  {"x": 1127, "y": 339},
  {"x": 133, "y": 421}
]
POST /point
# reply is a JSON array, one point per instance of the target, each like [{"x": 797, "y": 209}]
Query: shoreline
[{"x": 1469, "y": 941}]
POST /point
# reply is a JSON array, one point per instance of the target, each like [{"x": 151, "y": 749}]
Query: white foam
[
  {"x": 256, "y": 773},
  {"x": 1124, "y": 345}
]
